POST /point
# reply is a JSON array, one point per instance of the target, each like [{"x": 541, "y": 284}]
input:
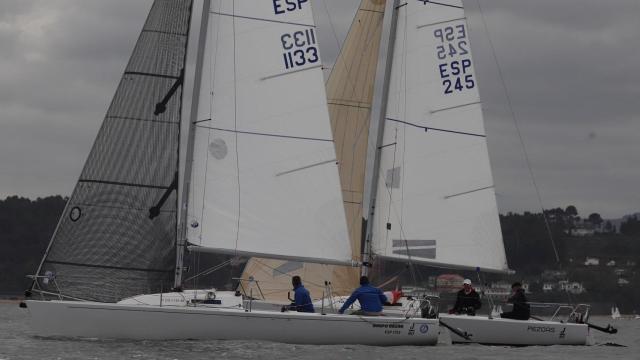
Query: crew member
[
  {"x": 467, "y": 301},
  {"x": 521, "y": 310},
  {"x": 370, "y": 299},
  {"x": 301, "y": 299}
]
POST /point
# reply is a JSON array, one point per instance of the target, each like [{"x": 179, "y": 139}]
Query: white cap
[{"x": 466, "y": 282}]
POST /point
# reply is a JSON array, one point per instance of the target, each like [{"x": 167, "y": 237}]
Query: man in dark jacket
[
  {"x": 369, "y": 297},
  {"x": 301, "y": 298},
  {"x": 468, "y": 300},
  {"x": 521, "y": 310}
]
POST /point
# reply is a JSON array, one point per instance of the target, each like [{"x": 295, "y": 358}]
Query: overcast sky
[{"x": 571, "y": 67}]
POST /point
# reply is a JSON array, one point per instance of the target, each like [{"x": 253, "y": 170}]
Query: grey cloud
[{"x": 572, "y": 68}]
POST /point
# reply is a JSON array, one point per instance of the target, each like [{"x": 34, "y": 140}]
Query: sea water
[{"x": 17, "y": 341}]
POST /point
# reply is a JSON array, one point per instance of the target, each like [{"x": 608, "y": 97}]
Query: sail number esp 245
[{"x": 452, "y": 49}]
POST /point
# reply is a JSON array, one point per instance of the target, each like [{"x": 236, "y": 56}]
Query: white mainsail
[
  {"x": 264, "y": 179},
  {"x": 349, "y": 95},
  {"x": 435, "y": 201}
]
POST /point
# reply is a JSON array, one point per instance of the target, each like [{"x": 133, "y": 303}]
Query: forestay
[
  {"x": 265, "y": 180},
  {"x": 435, "y": 201}
]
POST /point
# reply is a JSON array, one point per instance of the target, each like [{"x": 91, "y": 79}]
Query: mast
[
  {"x": 193, "y": 117},
  {"x": 376, "y": 130}
]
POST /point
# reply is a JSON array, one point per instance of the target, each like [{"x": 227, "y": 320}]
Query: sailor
[
  {"x": 467, "y": 301},
  {"x": 521, "y": 310},
  {"x": 301, "y": 298},
  {"x": 370, "y": 299}
]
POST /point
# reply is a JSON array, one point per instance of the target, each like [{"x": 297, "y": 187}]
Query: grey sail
[{"x": 117, "y": 236}]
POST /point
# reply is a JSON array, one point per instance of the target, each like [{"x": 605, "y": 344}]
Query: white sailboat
[
  {"x": 615, "y": 312},
  {"x": 260, "y": 179},
  {"x": 435, "y": 201}
]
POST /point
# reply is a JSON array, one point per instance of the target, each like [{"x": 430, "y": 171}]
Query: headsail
[
  {"x": 264, "y": 179},
  {"x": 349, "y": 95},
  {"x": 435, "y": 201},
  {"x": 116, "y": 237}
]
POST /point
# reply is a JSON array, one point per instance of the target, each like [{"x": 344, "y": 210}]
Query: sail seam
[
  {"x": 92, "y": 181},
  {"x": 141, "y": 119},
  {"x": 105, "y": 266},
  {"x": 290, "y": 72},
  {"x": 426, "y": 128},
  {"x": 349, "y": 105},
  {"x": 152, "y": 75},
  {"x": 455, "y": 107},
  {"x": 469, "y": 192},
  {"x": 425, "y": 2},
  {"x": 265, "y": 134},
  {"x": 163, "y": 32},
  {"x": 261, "y": 19},
  {"x": 440, "y": 22}
]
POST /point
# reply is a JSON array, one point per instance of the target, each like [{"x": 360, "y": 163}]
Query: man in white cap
[{"x": 468, "y": 300}]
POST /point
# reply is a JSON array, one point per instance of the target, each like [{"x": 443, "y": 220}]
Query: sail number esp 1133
[
  {"x": 300, "y": 48},
  {"x": 452, "y": 50}
]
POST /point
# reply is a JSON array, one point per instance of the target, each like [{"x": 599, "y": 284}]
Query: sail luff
[
  {"x": 377, "y": 126},
  {"x": 183, "y": 188}
]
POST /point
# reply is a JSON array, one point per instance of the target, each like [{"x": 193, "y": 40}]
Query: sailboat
[
  {"x": 254, "y": 175},
  {"x": 429, "y": 196},
  {"x": 615, "y": 313}
]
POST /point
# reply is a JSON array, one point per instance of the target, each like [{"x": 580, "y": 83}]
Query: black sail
[{"x": 117, "y": 235}]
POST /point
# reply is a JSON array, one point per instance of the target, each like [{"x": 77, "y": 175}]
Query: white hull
[
  {"x": 100, "y": 320},
  {"x": 499, "y": 331}
]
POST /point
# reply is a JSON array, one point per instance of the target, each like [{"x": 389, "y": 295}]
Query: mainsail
[
  {"x": 264, "y": 176},
  {"x": 435, "y": 202},
  {"x": 349, "y": 96},
  {"x": 116, "y": 237}
]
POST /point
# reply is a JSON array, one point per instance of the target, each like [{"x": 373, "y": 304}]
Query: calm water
[{"x": 18, "y": 342}]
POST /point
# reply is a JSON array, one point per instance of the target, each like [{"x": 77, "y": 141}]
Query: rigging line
[
  {"x": 404, "y": 148},
  {"x": 211, "y": 269},
  {"x": 282, "y": 272},
  {"x": 426, "y": 128},
  {"x": 235, "y": 121},
  {"x": 517, "y": 126},
  {"x": 333, "y": 29},
  {"x": 265, "y": 134},
  {"x": 425, "y": 2}
]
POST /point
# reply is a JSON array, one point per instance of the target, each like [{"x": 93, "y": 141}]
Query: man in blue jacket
[
  {"x": 370, "y": 298},
  {"x": 301, "y": 299}
]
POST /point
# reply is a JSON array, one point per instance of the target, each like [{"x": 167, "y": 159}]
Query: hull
[
  {"x": 499, "y": 331},
  {"x": 121, "y": 321}
]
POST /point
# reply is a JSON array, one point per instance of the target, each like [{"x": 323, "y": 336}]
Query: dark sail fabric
[{"x": 117, "y": 235}]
